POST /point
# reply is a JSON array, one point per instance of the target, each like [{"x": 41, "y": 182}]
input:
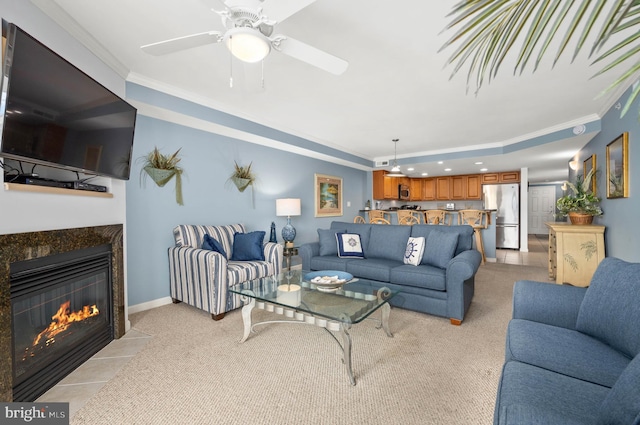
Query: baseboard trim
[{"x": 149, "y": 305}]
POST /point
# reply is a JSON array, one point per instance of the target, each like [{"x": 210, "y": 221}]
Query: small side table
[{"x": 288, "y": 253}]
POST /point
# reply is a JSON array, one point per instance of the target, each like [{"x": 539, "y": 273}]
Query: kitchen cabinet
[
  {"x": 574, "y": 252},
  {"x": 458, "y": 187},
  {"x": 415, "y": 190},
  {"x": 503, "y": 177},
  {"x": 429, "y": 189},
  {"x": 474, "y": 187},
  {"x": 443, "y": 188},
  {"x": 384, "y": 187}
]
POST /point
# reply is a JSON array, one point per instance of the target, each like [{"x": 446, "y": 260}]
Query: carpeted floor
[{"x": 194, "y": 371}]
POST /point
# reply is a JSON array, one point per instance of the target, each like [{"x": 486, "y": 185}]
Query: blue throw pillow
[
  {"x": 327, "y": 238},
  {"x": 212, "y": 244},
  {"x": 248, "y": 246},
  {"x": 440, "y": 248},
  {"x": 349, "y": 245}
]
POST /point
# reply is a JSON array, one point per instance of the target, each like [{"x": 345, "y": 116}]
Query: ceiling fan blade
[
  {"x": 215, "y": 4},
  {"x": 182, "y": 43},
  {"x": 311, "y": 55},
  {"x": 279, "y": 10}
]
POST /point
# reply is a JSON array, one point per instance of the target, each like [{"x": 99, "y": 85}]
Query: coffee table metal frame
[{"x": 305, "y": 315}]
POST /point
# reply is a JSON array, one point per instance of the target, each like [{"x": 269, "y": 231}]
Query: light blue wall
[
  {"x": 208, "y": 160},
  {"x": 622, "y": 236}
]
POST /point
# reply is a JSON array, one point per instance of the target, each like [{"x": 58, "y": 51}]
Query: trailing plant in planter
[
  {"x": 161, "y": 168},
  {"x": 581, "y": 201},
  {"x": 242, "y": 176}
]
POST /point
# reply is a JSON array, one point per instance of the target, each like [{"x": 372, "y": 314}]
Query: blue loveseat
[
  {"x": 442, "y": 284},
  {"x": 572, "y": 354}
]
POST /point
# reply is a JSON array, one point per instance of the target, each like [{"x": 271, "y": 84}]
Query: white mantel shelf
[{"x": 55, "y": 190}]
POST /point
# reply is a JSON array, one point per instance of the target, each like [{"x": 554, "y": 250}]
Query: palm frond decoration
[{"x": 489, "y": 29}]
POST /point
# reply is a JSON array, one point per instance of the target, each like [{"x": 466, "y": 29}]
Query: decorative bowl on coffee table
[{"x": 328, "y": 280}]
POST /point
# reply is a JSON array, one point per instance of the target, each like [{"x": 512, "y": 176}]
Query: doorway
[{"x": 542, "y": 207}]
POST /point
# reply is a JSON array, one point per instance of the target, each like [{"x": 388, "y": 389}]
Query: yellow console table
[{"x": 574, "y": 252}]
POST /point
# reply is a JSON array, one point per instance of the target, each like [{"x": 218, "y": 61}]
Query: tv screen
[{"x": 56, "y": 115}]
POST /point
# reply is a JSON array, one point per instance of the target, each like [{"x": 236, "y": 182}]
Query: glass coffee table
[{"x": 333, "y": 307}]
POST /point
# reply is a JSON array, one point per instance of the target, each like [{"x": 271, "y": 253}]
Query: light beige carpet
[{"x": 194, "y": 371}]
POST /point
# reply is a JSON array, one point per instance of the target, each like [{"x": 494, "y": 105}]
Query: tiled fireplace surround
[{"x": 25, "y": 246}]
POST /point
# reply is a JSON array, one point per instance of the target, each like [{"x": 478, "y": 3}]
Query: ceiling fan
[{"x": 249, "y": 32}]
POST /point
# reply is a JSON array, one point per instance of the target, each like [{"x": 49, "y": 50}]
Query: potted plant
[
  {"x": 581, "y": 205},
  {"x": 161, "y": 168},
  {"x": 242, "y": 176}
]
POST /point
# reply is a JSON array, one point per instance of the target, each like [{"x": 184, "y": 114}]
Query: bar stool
[
  {"x": 436, "y": 217},
  {"x": 380, "y": 220},
  {"x": 407, "y": 217},
  {"x": 373, "y": 214},
  {"x": 359, "y": 219},
  {"x": 478, "y": 220}
]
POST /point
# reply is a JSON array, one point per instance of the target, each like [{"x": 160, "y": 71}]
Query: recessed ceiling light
[
  {"x": 440, "y": 162},
  {"x": 425, "y": 174},
  {"x": 447, "y": 169},
  {"x": 409, "y": 169},
  {"x": 478, "y": 163},
  {"x": 484, "y": 169}
]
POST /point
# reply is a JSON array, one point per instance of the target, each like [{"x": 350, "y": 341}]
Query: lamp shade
[
  {"x": 247, "y": 44},
  {"x": 288, "y": 207}
]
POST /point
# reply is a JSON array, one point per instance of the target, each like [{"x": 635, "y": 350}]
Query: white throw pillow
[
  {"x": 349, "y": 245},
  {"x": 414, "y": 251}
]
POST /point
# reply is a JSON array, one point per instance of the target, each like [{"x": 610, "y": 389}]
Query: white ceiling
[{"x": 396, "y": 85}]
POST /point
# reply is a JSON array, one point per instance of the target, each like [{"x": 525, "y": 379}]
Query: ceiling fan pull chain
[
  {"x": 262, "y": 66},
  {"x": 230, "y": 63}
]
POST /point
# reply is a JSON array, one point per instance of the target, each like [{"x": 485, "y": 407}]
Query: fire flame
[{"x": 63, "y": 319}]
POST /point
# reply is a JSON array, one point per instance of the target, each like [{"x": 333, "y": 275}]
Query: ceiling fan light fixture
[{"x": 247, "y": 44}]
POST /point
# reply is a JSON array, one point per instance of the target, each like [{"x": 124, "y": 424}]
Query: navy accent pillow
[
  {"x": 327, "y": 238},
  {"x": 349, "y": 245},
  {"x": 212, "y": 244},
  {"x": 440, "y": 248},
  {"x": 248, "y": 246}
]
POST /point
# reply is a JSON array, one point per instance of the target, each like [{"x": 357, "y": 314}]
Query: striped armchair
[{"x": 200, "y": 277}]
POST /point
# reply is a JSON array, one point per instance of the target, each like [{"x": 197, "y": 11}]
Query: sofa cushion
[
  {"x": 525, "y": 390},
  {"x": 248, "y": 246},
  {"x": 329, "y": 262},
  {"x": 327, "y": 239},
  {"x": 622, "y": 404},
  {"x": 564, "y": 351},
  {"x": 372, "y": 269},
  {"x": 422, "y": 276},
  {"x": 414, "y": 251},
  {"x": 610, "y": 310},
  {"x": 242, "y": 271},
  {"x": 440, "y": 248},
  {"x": 349, "y": 245},
  {"x": 211, "y": 244},
  {"x": 464, "y": 232},
  {"x": 388, "y": 242}
]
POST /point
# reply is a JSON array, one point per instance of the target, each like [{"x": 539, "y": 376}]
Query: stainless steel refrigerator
[{"x": 505, "y": 199}]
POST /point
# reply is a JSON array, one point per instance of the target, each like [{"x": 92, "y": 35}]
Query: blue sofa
[
  {"x": 442, "y": 284},
  {"x": 572, "y": 354}
]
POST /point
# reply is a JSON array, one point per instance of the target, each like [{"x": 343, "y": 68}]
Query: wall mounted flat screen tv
[{"x": 56, "y": 115}]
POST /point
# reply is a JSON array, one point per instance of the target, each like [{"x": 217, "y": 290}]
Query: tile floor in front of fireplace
[{"x": 84, "y": 382}]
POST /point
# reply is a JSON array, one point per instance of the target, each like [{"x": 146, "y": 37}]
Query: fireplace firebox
[{"x": 62, "y": 314}]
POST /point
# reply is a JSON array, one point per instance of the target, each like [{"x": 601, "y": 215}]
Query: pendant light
[{"x": 395, "y": 171}]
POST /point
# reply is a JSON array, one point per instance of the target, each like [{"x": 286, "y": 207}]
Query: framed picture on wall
[
  {"x": 328, "y": 195},
  {"x": 618, "y": 167},
  {"x": 588, "y": 165}
]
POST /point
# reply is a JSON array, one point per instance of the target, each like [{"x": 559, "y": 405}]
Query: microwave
[{"x": 403, "y": 192}]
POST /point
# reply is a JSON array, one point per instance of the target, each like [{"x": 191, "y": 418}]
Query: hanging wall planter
[
  {"x": 242, "y": 176},
  {"x": 162, "y": 168}
]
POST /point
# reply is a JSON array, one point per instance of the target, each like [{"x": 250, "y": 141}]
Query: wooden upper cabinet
[
  {"x": 458, "y": 187},
  {"x": 504, "y": 177},
  {"x": 443, "y": 188},
  {"x": 415, "y": 190},
  {"x": 474, "y": 187},
  {"x": 429, "y": 189},
  {"x": 378, "y": 184},
  {"x": 384, "y": 187}
]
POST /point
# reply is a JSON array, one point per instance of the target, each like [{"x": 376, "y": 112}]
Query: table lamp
[{"x": 288, "y": 207}]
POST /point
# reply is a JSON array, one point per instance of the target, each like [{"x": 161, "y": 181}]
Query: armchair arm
[
  {"x": 199, "y": 278},
  {"x": 273, "y": 253},
  {"x": 308, "y": 251},
  {"x": 549, "y": 303}
]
